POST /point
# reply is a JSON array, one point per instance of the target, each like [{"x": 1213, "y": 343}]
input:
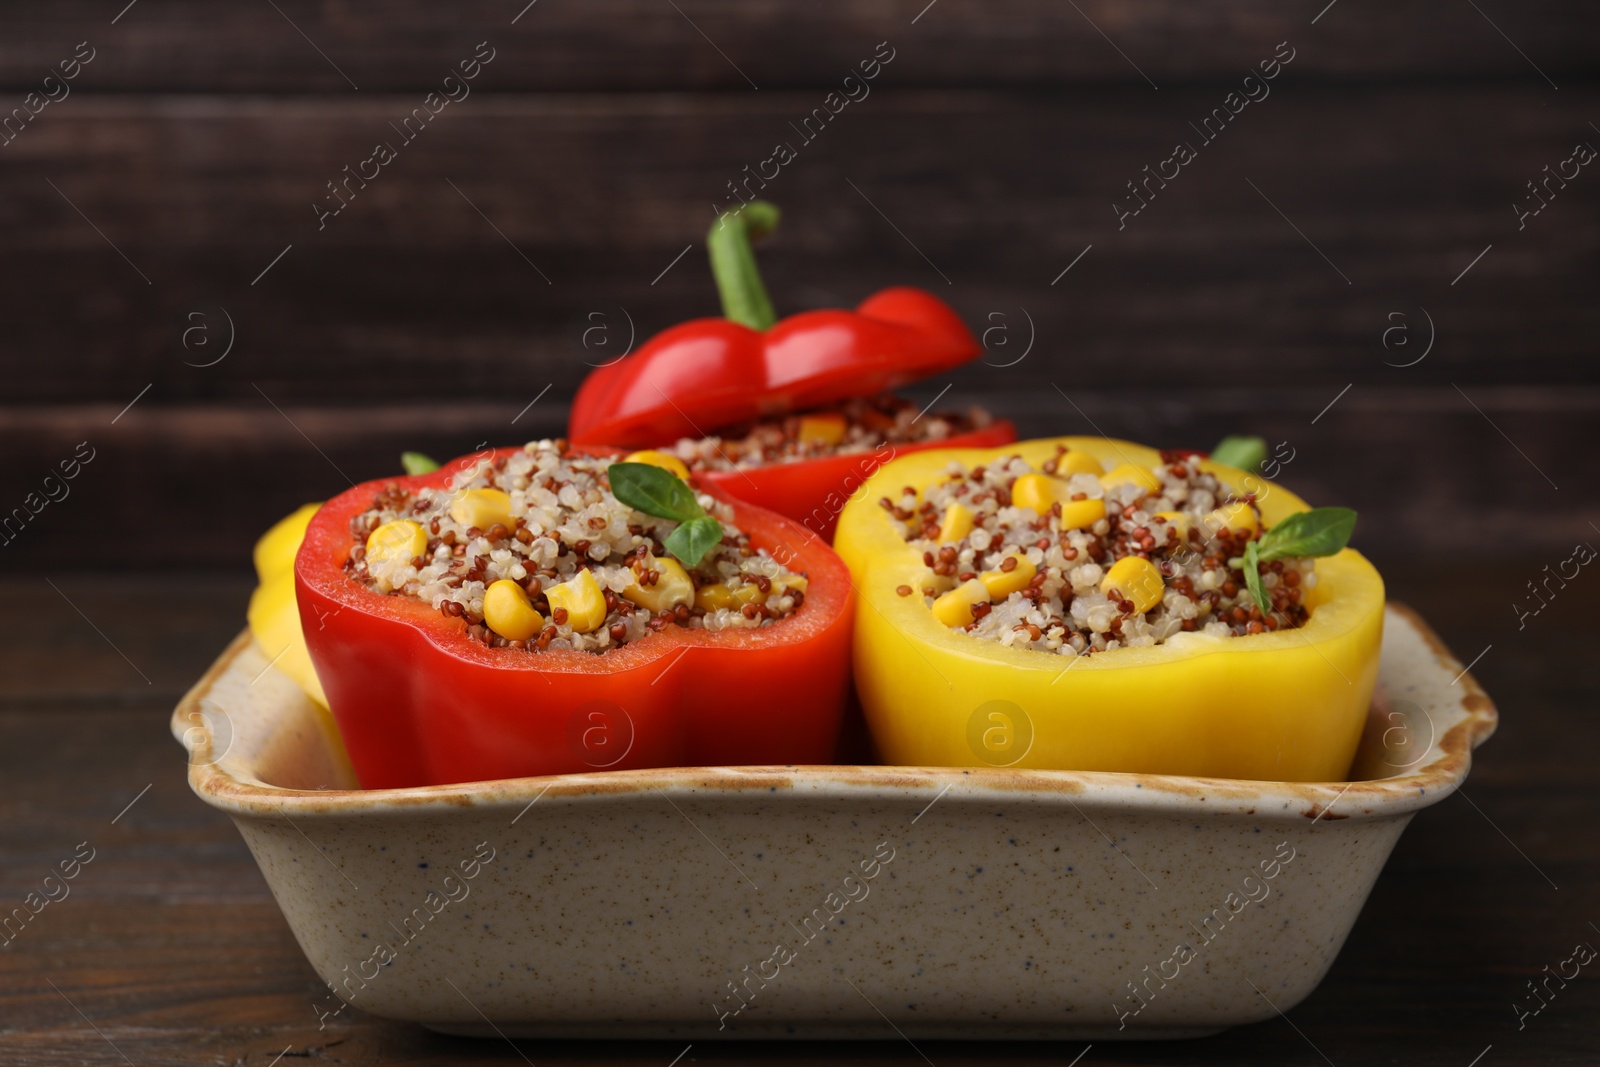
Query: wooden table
[
  {"x": 1291, "y": 283},
  {"x": 170, "y": 950}
]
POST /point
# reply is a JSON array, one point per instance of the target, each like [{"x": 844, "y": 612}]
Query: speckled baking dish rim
[{"x": 945, "y": 818}]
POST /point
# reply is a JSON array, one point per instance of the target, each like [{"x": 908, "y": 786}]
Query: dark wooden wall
[{"x": 453, "y": 290}]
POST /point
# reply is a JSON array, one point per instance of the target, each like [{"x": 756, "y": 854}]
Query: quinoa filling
[
  {"x": 1072, "y": 559},
  {"x": 537, "y": 538},
  {"x": 860, "y": 424}
]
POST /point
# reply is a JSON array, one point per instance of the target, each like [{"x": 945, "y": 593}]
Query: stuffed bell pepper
[
  {"x": 1091, "y": 604},
  {"x": 792, "y": 415},
  {"x": 541, "y": 610}
]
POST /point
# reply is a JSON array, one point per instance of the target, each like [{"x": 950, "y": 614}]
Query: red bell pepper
[
  {"x": 708, "y": 374},
  {"x": 420, "y": 703}
]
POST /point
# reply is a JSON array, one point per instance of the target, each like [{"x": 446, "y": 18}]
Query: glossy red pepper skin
[
  {"x": 420, "y": 703},
  {"x": 814, "y": 491},
  {"x": 701, "y": 376}
]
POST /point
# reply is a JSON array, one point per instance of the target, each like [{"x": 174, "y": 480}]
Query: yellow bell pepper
[
  {"x": 1287, "y": 705},
  {"x": 273, "y": 614}
]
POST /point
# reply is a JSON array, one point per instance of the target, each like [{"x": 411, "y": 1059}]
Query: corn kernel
[
  {"x": 1136, "y": 579},
  {"x": 1080, "y": 514},
  {"x": 665, "y": 460},
  {"x": 672, "y": 588},
  {"x": 958, "y": 522},
  {"x": 1077, "y": 461},
  {"x": 1129, "y": 474},
  {"x": 719, "y": 595},
  {"x": 482, "y": 508},
  {"x": 1002, "y": 583},
  {"x": 1179, "y": 520},
  {"x": 825, "y": 429},
  {"x": 713, "y": 596},
  {"x": 401, "y": 539},
  {"x": 955, "y": 607},
  {"x": 508, "y": 613},
  {"x": 1036, "y": 491},
  {"x": 1239, "y": 517},
  {"x": 583, "y": 601}
]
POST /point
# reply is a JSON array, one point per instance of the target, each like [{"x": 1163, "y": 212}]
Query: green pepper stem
[{"x": 733, "y": 263}]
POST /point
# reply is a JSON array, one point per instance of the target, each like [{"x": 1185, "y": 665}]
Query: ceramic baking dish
[{"x": 823, "y": 902}]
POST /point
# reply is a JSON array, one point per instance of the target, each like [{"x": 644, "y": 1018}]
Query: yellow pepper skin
[
  {"x": 273, "y": 614},
  {"x": 1288, "y": 705}
]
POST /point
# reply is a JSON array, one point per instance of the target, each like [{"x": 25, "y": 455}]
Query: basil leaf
[
  {"x": 654, "y": 491},
  {"x": 1318, "y": 532},
  {"x": 663, "y": 494},
  {"x": 1246, "y": 453},
  {"x": 418, "y": 463},
  {"x": 693, "y": 539},
  {"x": 1252, "y": 576}
]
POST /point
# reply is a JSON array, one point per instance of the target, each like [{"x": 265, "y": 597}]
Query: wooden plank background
[
  {"x": 141, "y": 213},
  {"x": 162, "y": 214}
]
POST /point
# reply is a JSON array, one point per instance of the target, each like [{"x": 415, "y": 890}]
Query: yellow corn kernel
[
  {"x": 719, "y": 595},
  {"x": 958, "y": 522},
  {"x": 1077, "y": 461},
  {"x": 825, "y": 429},
  {"x": 508, "y": 613},
  {"x": 1239, "y": 517},
  {"x": 1136, "y": 579},
  {"x": 672, "y": 588},
  {"x": 714, "y": 597},
  {"x": 1080, "y": 514},
  {"x": 583, "y": 601},
  {"x": 400, "y": 539},
  {"x": 1002, "y": 583},
  {"x": 482, "y": 508},
  {"x": 955, "y": 607},
  {"x": 1179, "y": 520},
  {"x": 1129, "y": 474},
  {"x": 665, "y": 460},
  {"x": 1036, "y": 491}
]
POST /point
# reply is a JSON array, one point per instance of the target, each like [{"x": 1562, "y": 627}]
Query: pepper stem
[{"x": 733, "y": 263}]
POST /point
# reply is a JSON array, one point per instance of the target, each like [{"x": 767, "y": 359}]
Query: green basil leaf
[
  {"x": 654, "y": 491},
  {"x": 418, "y": 463},
  {"x": 1252, "y": 576},
  {"x": 693, "y": 539},
  {"x": 1246, "y": 453},
  {"x": 1318, "y": 532}
]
